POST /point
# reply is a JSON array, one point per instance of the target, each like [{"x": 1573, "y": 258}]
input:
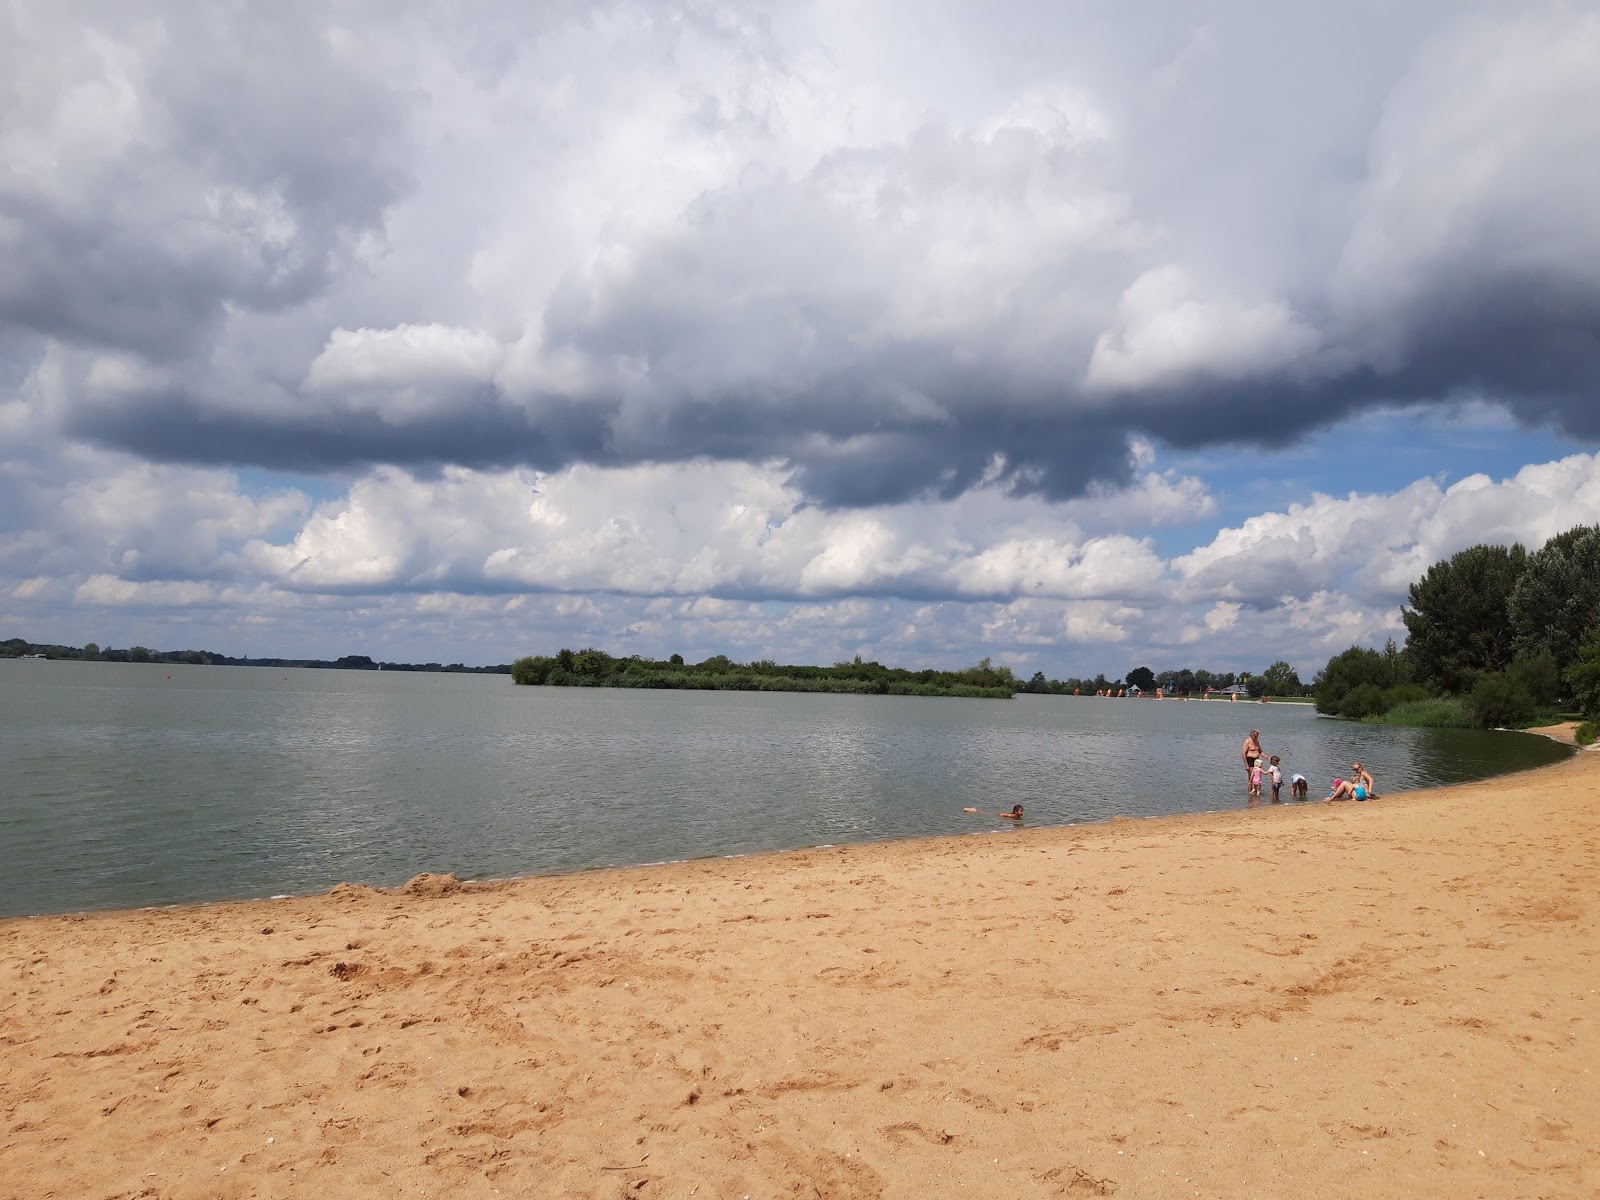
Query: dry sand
[{"x": 1387, "y": 999}]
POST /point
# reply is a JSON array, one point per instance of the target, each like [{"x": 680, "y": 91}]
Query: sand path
[{"x": 1399, "y": 998}]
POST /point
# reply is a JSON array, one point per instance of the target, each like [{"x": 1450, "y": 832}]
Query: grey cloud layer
[{"x": 314, "y": 238}]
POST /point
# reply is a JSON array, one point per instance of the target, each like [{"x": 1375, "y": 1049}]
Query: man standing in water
[{"x": 1251, "y": 752}]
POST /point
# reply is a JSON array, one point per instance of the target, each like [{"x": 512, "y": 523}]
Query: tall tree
[
  {"x": 1459, "y": 622},
  {"x": 1142, "y": 678},
  {"x": 1556, "y": 603},
  {"x": 1280, "y": 679}
]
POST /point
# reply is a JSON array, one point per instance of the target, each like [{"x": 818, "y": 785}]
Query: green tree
[
  {"x": 1538, "y": 675},
  {"x": 1583, "y": 677},
  {"x": 1556, "y": 602},
  {"x": 531, "y": 670},
  {"x": 1345, "y": 673},
  {"x": 1142, "y": 678},
  {"x": 1459, "y": 622},
  {"x": 138, "y": 654},
  {"x": 90, "y": 652},
  {"x": 1497, "y": 701},
  {"x": 1363, "y": 700},
  {"x": 591, "y": 663},
  {"x": 1280, "y": 680}
]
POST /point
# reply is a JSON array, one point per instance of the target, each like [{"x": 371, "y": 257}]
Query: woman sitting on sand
[{"x": 1362, "y": 778}]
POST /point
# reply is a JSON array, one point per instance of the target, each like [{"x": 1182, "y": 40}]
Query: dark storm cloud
[
  {"x": 1228, "y": 230},
  {"x": 165, "y": 171}
]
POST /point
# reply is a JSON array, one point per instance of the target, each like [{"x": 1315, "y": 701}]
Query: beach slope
[{"x": 1398, "y": 998}]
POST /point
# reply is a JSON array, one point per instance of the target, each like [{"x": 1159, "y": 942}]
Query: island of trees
[
  {"x": 596, "y": 668},
  {"x": 1496, "y": 636}
]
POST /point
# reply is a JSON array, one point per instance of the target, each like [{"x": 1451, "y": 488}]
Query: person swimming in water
[{"x": 1014, "y": 815}]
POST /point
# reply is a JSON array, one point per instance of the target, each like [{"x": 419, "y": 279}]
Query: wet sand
[{"x": 1397, "y": 998}]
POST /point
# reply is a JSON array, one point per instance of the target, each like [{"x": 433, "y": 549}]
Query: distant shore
[{"x": 1391, "y": 999}]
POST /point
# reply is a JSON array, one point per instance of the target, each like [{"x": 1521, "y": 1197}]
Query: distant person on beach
[
  {"x": 1298, "y": 787},
  {"x": 1251, "y": 751},
  {"x": 1275, "y": 773}
]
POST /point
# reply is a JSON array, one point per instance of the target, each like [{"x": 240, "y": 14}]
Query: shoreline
[
  {"x": 1562, "y": 733},
  {"x": 1395, "y": 998}
]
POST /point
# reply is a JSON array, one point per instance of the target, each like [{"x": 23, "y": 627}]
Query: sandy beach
[{"x": 1398, "y": 998}]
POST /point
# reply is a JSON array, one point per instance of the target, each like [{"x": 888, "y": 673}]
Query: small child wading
[
  {"x": 1255, "y": 779},
  {"x": 1276, "y": 774}
]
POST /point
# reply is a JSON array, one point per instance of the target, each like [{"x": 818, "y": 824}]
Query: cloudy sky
[{"x": 1076, "y": 335}]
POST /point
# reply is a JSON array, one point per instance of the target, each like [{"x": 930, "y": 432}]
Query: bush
[
  {"x": 1496, "y": 701},
  {"x": 1404, "y": 693},
  {"x": 1363, "y": 700},
  {"x": 1586, "y": 733}
]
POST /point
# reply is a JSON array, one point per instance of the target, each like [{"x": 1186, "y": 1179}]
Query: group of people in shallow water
[{"x": 1261, "y": 770}]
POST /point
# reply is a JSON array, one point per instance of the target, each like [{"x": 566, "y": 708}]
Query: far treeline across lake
[{"x": 596, "y": 668}]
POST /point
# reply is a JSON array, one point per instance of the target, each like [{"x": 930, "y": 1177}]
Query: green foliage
[
  {"x": 1583, "y": 677},
  {"x": 593, "y": 664},
  {"x": 1279, "y": 679},
  {"x": 1404, "y": 693},
  {"x": 1355, "y": 668},
  {"x": 1459, "y": 622},
  {"x": 1363, "y": 700},
  {"x": 592, "y": 667},
  {"x": 1437, "y": 712},
  {"x": 1538, "y": 676},
  {"x": 1497, "y": 701},
  {"x": 1556, "y": 602},
  {"x": 1142, "y": 678},
  {"x": 90, "y": 652},
  {"x": 531, "y": 670},
  {"x": 1586, "y": 733}
]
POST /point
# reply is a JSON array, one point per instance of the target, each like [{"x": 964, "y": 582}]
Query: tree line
[
  {"x": 595, "y": 668},
  {"x": 1495, "y": 636},
  {"x": 92, "y": 652},
  {"x": 1278, "y": 679}
]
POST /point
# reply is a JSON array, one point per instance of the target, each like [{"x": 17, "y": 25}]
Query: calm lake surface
[{"x": 125, "y": 784}]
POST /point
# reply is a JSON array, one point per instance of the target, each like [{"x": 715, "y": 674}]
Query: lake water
[{"x": 124, "y": 784}]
